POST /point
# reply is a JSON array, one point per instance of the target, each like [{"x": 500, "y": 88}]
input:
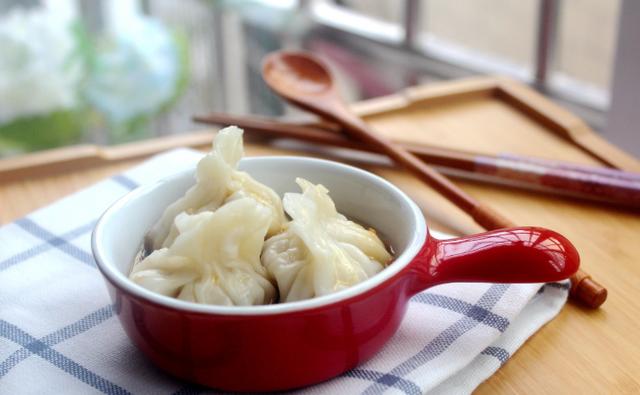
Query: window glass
[
  {"x": 586, "y": 39},
  {"x": 388, "y": 11},
  {"x": 503, "y": 29}
]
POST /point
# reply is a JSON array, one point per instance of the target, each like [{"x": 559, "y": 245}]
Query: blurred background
[{"x": 109, "y": 71}]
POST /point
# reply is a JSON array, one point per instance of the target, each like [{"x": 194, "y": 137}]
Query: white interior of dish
[{"x": 360, "y": 195}]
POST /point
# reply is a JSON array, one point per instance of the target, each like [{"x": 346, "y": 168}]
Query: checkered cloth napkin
[{"x": 58, "y": 332}]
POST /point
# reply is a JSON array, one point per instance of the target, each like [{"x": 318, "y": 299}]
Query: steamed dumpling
[
  {"x": 217, "y": 182},
  {"x": 214, "y": 258},
  {"x": 321, "y": 251}
]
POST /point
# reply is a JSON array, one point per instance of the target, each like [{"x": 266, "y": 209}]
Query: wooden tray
[{"x": 579, "y": 351}]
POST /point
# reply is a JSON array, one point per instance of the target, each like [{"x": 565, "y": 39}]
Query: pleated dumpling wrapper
[
  {"x": 217, "y": 182},
  {"x": 321, "y": 251},
  {"x": 214, "y": 257}
]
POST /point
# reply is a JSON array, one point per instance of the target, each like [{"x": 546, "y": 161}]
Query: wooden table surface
[{"x": 580, "y": 351}]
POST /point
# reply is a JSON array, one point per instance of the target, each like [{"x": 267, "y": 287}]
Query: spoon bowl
[{"x": 297, "y": 75}]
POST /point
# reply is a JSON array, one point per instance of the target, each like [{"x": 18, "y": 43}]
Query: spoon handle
[
  {"x": 583, "y": 287},
  {"x": 359, "y": 130}
]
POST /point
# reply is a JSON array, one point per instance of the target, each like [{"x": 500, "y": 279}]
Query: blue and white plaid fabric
[{"x": 58, "y": 332}]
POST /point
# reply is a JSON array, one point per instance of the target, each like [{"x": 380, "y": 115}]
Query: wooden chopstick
[
  {"x": 612, "y": 172},
  {"x": 606, "y": 185}
]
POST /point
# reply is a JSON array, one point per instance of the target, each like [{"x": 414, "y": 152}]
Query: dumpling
[
  {"x": 321, "y": 251},
  {"x": 217, "y": 182},
  {"x": 214, "y": 258}
]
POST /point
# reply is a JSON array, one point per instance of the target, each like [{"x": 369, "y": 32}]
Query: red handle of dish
[{"x": 514, "y": 255}]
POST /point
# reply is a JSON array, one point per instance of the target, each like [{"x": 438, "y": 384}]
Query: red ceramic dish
[{"x": 289, "y": 345}]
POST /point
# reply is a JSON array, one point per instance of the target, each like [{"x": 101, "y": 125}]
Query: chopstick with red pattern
[{"x": 606, "y": 185}]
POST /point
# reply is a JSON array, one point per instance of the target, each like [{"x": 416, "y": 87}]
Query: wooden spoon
[{"x": 305, "y": 80}]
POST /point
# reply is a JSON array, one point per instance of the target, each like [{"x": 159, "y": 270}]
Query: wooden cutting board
[{"x": 580, "y": 351}]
